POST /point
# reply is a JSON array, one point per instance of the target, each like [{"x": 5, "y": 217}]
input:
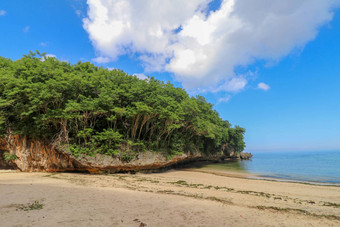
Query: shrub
[{"x": 9, "y": 157}]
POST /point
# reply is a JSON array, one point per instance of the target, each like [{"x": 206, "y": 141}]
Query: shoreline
[
  {"x": 278, "y": 179},
  {"x": 230, "y": 169},
  {"x": 176, "y": 198},
  {"x": 254, "y": 176}
]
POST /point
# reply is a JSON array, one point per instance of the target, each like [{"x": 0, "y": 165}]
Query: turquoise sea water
[
  {"x": 308, "y": 166},
  {"x": 319, "y": 167}
]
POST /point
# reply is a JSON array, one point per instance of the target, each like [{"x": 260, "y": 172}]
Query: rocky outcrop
[
  {"x": 34, "y": 155},
  {"x": 245, "y": 155},
  {"x": 231, "y": 154}
]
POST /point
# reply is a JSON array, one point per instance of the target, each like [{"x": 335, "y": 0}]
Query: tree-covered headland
[{"x": 84, "y": 109}]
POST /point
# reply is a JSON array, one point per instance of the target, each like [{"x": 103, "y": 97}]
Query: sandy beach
[{"x": 173, "y": 198}]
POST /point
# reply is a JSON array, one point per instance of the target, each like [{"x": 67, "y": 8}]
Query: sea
[{"x": 316, "y": 167}]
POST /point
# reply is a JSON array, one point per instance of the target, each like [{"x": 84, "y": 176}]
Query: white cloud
[
  {"x": 234, "y": 84},
  {"x": 141, "y": 76},
  {"x": 263, "y": 86},
  {"x": 54, "y": 56},
  {"x": 201, "y": 49},
  {"x": 43, "y": 44},
  {"x": 223, "y": 99},
  {"x": 101, "y": 59},
  {"x": 26, "y": 29},
  {"x": 48, "y": 56},
  {"x": 2, "y": 12}
]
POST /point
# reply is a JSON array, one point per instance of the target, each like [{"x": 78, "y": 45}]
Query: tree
[{"x": 89, "y": 110}]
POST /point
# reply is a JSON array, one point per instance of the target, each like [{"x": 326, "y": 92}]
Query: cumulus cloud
[
  {"x": 2, "y": 12},
  {"x": 199, "y": 47},
  {"x": 263, "y": 86}
]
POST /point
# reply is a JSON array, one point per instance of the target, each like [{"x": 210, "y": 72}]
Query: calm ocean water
[
  {"x": 319, "y": 167},
  {"x": 309, "y": 166}
]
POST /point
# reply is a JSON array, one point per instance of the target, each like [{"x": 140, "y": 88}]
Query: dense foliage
[{"x": 87, "y": 109}]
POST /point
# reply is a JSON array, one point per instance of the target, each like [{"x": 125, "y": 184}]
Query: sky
[{"x": 272, "y": 67}]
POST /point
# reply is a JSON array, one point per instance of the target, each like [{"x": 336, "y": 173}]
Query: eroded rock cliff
[{"x": 34, "y": 155}]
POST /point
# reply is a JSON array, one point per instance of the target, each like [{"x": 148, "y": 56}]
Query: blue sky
[{"x": 296, "y": 56}]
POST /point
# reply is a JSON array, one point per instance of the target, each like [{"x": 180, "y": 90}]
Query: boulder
[{"x": 245, "y": 155}]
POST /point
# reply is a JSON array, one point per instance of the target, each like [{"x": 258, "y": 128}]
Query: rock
[
  {"x": 245, "y": 155},
  {"x": 34, "y": 155},
  {"x": 231, "y": 154}
]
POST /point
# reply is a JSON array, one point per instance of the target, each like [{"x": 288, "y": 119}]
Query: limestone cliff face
[{"x": 34, "y": 155}]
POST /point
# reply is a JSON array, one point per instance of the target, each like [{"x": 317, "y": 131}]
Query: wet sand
[{"x": 173, "y": 198}]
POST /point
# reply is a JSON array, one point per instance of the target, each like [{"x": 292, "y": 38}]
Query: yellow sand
[{"x": 174, "y": 198}]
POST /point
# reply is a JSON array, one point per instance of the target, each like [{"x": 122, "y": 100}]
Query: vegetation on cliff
[{"x": 88, "y": 110}]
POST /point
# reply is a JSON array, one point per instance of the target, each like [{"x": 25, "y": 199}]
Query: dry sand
[{"x": 173, "y": 198}]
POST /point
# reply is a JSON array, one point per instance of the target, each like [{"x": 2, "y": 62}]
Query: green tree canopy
[{"x": 88, "y": 110}]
